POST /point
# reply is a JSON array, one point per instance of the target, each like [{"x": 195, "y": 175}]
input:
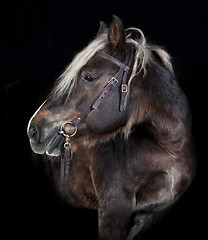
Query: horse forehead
[{"x": 101, "y": 64}]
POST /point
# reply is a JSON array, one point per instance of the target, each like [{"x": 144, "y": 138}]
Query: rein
[{"x": 120, "y": 75}]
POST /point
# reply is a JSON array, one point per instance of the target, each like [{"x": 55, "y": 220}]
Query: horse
[{"x": 116, "y": 127}]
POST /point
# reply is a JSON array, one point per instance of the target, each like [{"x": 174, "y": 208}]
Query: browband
[{"x": 114, "y": 60}]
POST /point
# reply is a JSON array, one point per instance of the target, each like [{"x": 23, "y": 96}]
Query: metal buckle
[
  {"x": 124, "y": 88},
  {"x": 113, "y": 78}
]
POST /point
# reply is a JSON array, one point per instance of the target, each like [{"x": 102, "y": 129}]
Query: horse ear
[
  {"x": 103, "y": 28},
  {"x": 116, "y": 34}
]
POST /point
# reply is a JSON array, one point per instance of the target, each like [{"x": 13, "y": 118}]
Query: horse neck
[{"x": 164, "y": 108}]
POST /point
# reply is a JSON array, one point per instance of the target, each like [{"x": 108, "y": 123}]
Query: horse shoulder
[
  {"x": 142, "y": 170},
  {"x": 162, "y": 176}
]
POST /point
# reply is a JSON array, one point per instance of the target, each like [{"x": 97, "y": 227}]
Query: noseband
[{"x": 120, "y": 76}]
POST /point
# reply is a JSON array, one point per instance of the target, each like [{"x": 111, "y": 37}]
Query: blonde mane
[{"x": 68, "y": 78}]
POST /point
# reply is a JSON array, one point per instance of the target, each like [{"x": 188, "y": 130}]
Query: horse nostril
[{"x": 34, "y": 134}]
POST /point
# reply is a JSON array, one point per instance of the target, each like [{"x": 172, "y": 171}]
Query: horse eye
[{"x": 87, "y": 78}]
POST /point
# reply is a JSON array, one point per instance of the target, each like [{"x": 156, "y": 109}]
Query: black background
[{"x": 39, "y": 40}]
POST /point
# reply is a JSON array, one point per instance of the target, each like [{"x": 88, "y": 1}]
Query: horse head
[
  {"x": 137, "y": 79},
  {"x": 83, "y": 80}
]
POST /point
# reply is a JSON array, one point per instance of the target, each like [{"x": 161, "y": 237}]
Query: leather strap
[
  {"x": 64, "y": 170},
  {"x": 96, "y": 101},
  {"x": 121, "y": 74},
  {"x": 124, "y": 86},
  {"x": 114, "y": 60}
]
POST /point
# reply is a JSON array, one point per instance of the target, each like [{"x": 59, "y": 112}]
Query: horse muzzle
[{"x": 51, "y": 145}]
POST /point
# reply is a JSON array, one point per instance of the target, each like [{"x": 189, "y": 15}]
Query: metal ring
[
  {"x": 63, "y": 132},
  {"x": 67, "y": 144}
]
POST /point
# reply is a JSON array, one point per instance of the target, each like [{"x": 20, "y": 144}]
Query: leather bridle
[{"x": 120, "y": 76}]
